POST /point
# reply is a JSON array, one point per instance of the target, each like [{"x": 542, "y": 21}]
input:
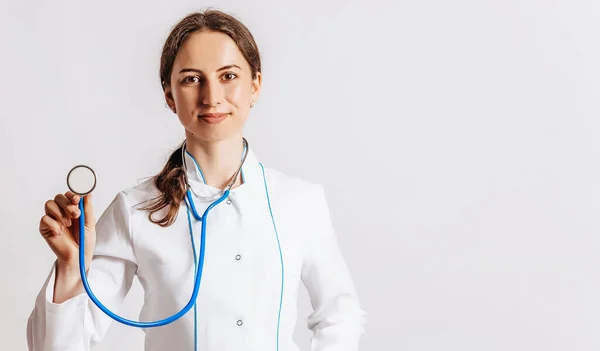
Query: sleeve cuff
[
  {"x": 70, "y": 313},
  {"x": 68, "y": 305}
]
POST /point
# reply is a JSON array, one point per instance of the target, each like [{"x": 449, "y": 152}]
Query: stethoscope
[{"x": 81, "y": 180}]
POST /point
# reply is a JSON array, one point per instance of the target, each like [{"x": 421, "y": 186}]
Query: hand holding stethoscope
[
  {"x": 60, "y": 227},
  {"x": 69, "y": 222}
]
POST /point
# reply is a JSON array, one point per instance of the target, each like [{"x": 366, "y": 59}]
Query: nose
[{"x": 212, "y": 94}]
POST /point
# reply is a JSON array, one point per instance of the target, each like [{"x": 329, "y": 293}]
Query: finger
[
  {"x": 50, "y": 227},
  {"x": 56, "y": 236},
  {"x": 74, "y": 198},
  {"x": 55, "y": 212},
  {"x": 67, "y": 206},
  {"x": 88, "y": 207}
]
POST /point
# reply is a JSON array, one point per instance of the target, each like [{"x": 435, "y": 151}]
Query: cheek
[
  {"x": 179, "y": 99},
  {"x": 237, "y": 94},
  {"x": 186, "y": 97}
]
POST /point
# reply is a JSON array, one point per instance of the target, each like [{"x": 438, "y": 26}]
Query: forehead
[{"x": 208, "y": 51}]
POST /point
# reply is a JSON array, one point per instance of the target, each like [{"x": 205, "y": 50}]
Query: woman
[{"x": 271, "y": 233}]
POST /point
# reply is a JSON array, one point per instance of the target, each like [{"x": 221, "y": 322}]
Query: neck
[{"x": 218, "y": 160}]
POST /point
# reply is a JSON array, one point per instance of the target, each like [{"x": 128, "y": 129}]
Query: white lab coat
[{"x": 241, "y": 289}]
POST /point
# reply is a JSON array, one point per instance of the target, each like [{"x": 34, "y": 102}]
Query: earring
[{"x": 251, "y": 103}]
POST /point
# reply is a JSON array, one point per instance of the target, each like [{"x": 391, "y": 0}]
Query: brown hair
[{"x": 170, "y": 181}]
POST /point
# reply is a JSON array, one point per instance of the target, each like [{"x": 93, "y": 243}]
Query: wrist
[
  {"x": 67, "y": 282},
  {"x": 67, "y": 269}
]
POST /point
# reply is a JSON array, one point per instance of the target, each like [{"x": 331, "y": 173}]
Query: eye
[
  {"x": 230, "y": 76},
  {"x": 191, "y": 79}
]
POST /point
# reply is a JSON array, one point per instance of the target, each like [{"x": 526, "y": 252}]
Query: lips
[{"x": 213, "y": 118}]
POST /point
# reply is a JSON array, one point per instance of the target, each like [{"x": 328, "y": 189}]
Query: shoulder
[
  {"x": 127, "y": 207},
  {"x": 140, "y": 194},
  {"x": 292, "y": 188},
  {"x": 300, "y": 205}
]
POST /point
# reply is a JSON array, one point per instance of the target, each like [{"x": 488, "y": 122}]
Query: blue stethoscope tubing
[
  {"x": 198, "y": 274},
  {"x": 198, "y": 262},
  {"x": 198, "y": 271}
]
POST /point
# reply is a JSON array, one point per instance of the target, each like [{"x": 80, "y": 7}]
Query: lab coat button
[
  {"x": 239, "y": 322},
  {"x": 238, "y": 257},
  {"x": 228, "y": 201}
]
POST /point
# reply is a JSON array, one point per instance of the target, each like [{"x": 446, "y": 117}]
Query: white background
[{"x": 457, "y": 142}]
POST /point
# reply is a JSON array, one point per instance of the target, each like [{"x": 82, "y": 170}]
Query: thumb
[{"x": 90, "y": 219}]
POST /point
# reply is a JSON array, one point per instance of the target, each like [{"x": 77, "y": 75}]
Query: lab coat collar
[{"x": 252, "y": 178}]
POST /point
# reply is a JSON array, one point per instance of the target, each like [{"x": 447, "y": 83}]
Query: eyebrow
[{"x": 199, "y": 71}]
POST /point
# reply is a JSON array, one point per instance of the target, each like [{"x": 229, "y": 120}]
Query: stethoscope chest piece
[{"x": 81, "y": 180}]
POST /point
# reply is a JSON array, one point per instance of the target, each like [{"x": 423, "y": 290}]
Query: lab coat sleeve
[
  {"x": 78, "y": 324},
  {"x": 337, "y": 320}
]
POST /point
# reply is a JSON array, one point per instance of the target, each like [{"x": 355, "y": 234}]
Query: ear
[
  {"x": 169, "y": 97},
  {"x": 256, "y": 85}
]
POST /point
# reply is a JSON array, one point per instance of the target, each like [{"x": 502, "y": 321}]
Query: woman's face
[{"x": 211, "y": 76}]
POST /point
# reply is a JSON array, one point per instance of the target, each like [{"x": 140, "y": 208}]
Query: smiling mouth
[{"x": 213, "y": 118}]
